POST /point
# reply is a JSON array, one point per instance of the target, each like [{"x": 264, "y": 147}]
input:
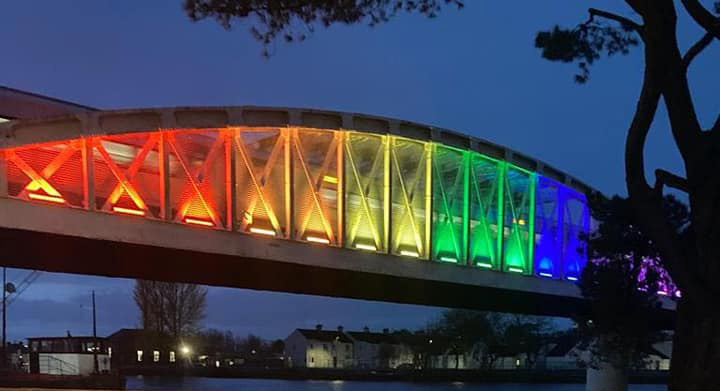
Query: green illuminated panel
[
  {"x": 519, "y": 217},
  {"x": 450, "y": 204},
  {"x": 486, "y": 177},
  {"x": 411, "y": 198},
  {"x": 366, "y": 163}
]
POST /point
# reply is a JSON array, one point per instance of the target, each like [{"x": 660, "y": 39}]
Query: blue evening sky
[{"x": 475, "y": 71}]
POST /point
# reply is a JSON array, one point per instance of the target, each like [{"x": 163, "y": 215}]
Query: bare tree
[{"x": 170, "y": 307}]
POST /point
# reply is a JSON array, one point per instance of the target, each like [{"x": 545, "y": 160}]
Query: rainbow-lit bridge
[{"x": 292, "y": 200}]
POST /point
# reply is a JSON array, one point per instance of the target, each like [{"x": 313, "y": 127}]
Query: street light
[{"x": 185, "y": 350}]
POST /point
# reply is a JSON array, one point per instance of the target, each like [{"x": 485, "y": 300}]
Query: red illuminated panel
[
  {"x": 198, "y": 177},
  {"x": 263, "y": 180},
  {"x": 317, "y": 182},
  {"x": 127, "y": 174},
  {"x": 50, "y": 173}
]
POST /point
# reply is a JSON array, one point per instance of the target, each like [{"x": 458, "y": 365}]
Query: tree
[
  {"x": 621, "y": 283},
  {"x": 170, "y": 307},
  {"x": 691, "y": 257},
  {"x": 212, "y": 341},
  {"x": 294, "y": 20},
  {"x": 386, "y": 353},
  {"x": 482, "y": 333},
  {"x": 252, "y": 346},
  {"x": 527, "y": 335}
]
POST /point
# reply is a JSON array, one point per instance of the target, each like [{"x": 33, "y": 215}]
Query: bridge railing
[{"x": 363, "y": 191}]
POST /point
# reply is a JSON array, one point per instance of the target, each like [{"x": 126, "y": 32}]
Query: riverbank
[{"x": 16, "y": 380}]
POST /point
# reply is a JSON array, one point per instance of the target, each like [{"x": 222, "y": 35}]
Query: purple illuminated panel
[{"x": 575, "y": 216}]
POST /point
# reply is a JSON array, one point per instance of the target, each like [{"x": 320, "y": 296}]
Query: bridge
[{"x": 293, "y": 200}]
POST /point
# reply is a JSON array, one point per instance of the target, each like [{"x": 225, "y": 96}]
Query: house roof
[
  {"x": 126, "y": 332},
  {"x": 18, "y": 104},
  {"x": 82, "y": 337},
  {"x": 564, "y": 345},
  {"x": 375, "y": 338},
  {"x": 325, "y": 335},
  {"x": 658, "y": 353}
]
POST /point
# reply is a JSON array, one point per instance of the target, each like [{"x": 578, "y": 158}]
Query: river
[{"x": 161, "y": 383}]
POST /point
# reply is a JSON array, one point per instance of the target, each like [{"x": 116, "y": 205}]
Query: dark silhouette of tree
[
  {"x": 488, "y": 336},
  {"x": 170, "y": 307},
  {"x": 213, "y": 341},
  {"x": 690, "y": 255},
  {"x": 252, "y": 346},
  {"x": 277, "y": 347},
  {"x": 621, "y": 283},
  {"x": 526, "y": 336},
  {"x": 386, "y": 352},
  {"x": 293, "y": 20}
]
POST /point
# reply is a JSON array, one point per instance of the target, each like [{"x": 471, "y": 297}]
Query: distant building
[
  {"x": 133, "y": 348},
  {"x": 379, "y": 350},
  {"x": 68, "y": 355},
  {"x": 17, "y": 104},
  {"x": 566, "y": 353},
  {"x": 318, "y": 348},
  {"x": 659, "y": 358}
]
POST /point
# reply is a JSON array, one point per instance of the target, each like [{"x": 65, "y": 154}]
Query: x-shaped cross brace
[{"x": 197, "y": 178}]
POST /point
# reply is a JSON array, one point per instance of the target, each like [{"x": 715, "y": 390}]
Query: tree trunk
[
  {"x": 696, "y": 350},
  {"x": 692, "y": 260}
]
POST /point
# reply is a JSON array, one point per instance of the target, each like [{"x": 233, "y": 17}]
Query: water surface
[{"x": 162, "y": 383}]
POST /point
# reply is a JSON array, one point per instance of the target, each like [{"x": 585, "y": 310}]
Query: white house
[
  {"x": 379, "y": 350},
  {"x": 566, "y": 354},
  {"x": 319, "y": 348},
  {"x": 68, "y": 355}
]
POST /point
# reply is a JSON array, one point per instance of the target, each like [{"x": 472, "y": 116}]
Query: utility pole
[
  {"x": 95, "y": 341},
  {"x": 4, "y": 320}
]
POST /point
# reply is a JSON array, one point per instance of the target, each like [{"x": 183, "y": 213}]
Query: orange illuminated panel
[
  {"x": 197, "y": 162},
  {"x": 52, "y": 172},
  {"x": 127, "y": 173}
]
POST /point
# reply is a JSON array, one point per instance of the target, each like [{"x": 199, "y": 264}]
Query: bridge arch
[{"x": 325, "y": 178}]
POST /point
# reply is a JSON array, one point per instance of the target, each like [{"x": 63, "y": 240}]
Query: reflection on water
[{"x": 217, "y": 384}]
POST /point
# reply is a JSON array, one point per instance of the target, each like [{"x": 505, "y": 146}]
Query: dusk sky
[{"x": 475, "y": 71}]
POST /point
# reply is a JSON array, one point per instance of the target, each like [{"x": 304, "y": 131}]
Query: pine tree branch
[
  {"x": 665, "y": 178},
  {"x": 703, "y": 17},
  {"x": 625, "y": 22},
  {"x": 696, "y": 49}
]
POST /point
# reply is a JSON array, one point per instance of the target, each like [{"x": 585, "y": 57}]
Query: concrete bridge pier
[{"x": 606, "y": 377}]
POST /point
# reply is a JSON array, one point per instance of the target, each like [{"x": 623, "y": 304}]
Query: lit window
[
  {"x": 139, "y": 355},
  {"x": 109, "y": 352},
  {"x": 172, "y": 356},
  {"x": 217, "y": 364},
  {"x": 156, "y": 356}
]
